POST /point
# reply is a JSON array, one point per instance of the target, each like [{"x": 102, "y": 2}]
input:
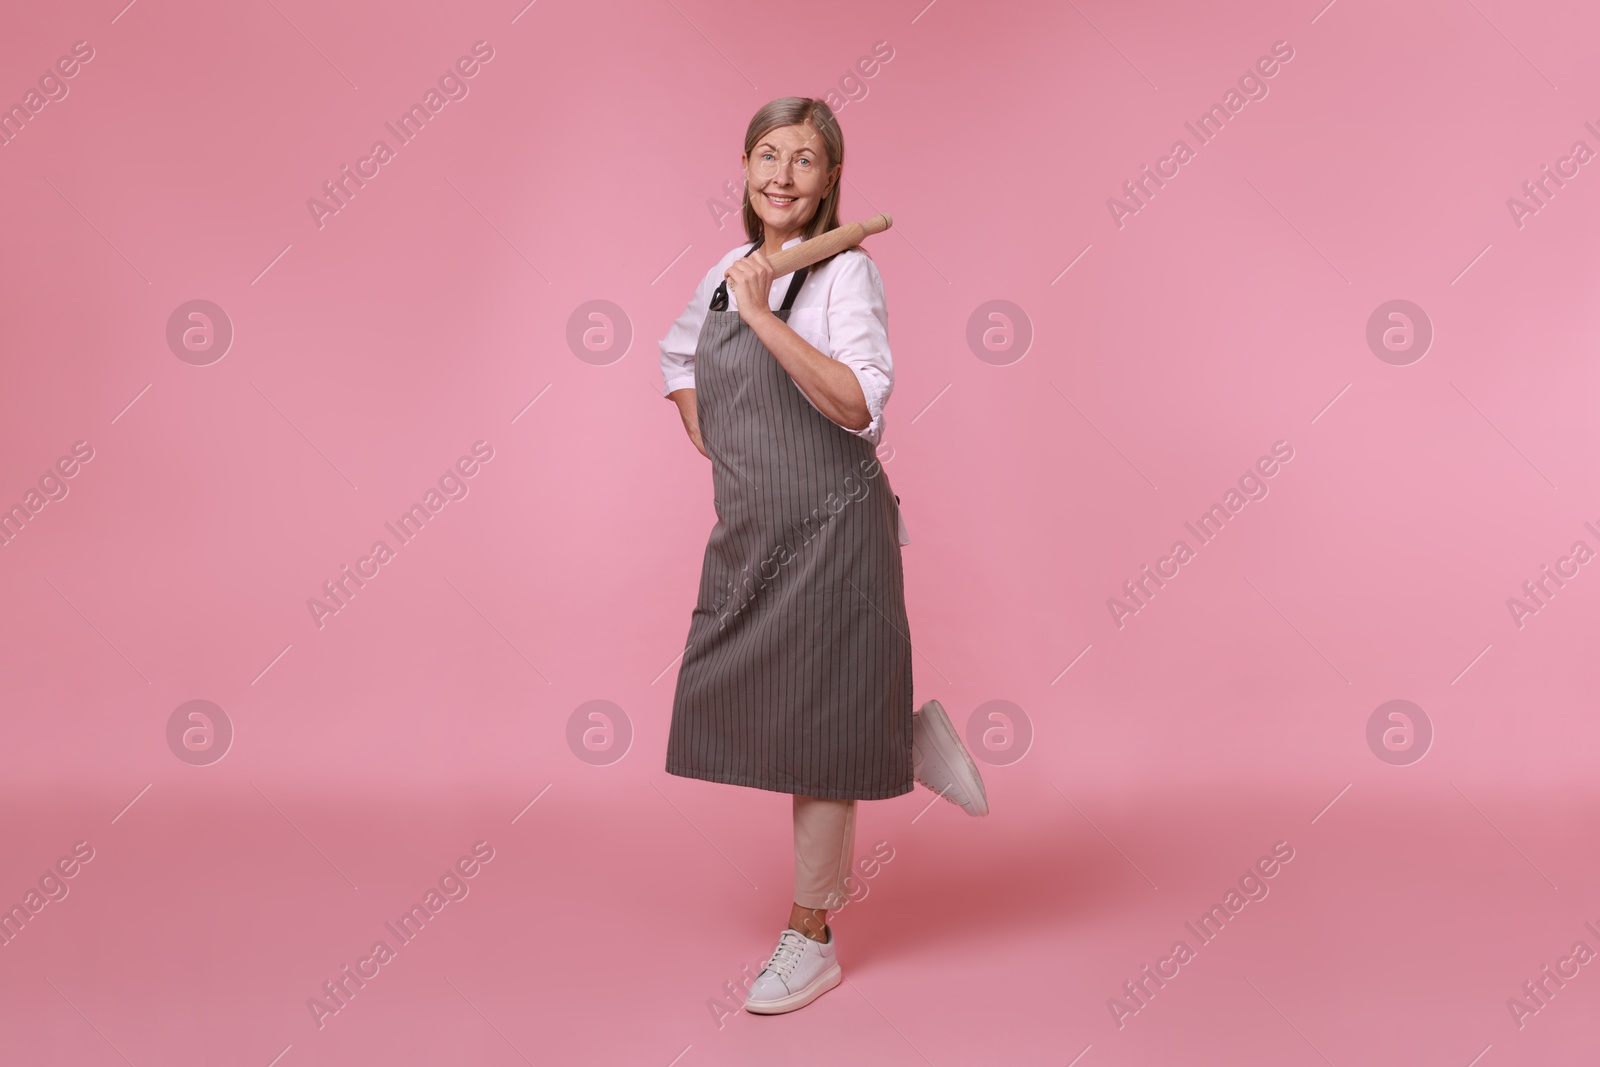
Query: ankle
[{"x": 819, "y": 933}]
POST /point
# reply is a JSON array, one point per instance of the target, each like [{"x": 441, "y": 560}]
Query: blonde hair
[{"x": 793, "y": 111}]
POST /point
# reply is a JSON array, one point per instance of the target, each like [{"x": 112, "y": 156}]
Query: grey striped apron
[{"x": 797, "y": 672}]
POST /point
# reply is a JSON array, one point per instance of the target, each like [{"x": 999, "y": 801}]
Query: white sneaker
[
  {"x": 800, "y": 971},
  {"x": 942, "y": 763}
]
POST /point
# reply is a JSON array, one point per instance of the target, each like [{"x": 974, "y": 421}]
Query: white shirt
[{"x": 840, "y": 312}]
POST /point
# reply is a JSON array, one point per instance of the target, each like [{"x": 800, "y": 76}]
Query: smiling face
[{"x": 788, "y": 175}]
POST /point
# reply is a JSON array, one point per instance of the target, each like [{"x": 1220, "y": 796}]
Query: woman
[{"x": 797, "y": 673}]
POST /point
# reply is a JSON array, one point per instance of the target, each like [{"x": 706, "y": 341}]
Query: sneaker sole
[
  {"x": 947, "y": 745},
  {"x": 818, "y": 986}
]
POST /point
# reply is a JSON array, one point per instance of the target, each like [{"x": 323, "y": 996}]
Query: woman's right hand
[{"x": 684, "y": 398}]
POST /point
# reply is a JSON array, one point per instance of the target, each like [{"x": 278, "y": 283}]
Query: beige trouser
[{"x": 824, "y": 844}]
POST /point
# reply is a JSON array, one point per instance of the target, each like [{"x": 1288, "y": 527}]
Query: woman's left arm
[{"x": 831, "y": 385}]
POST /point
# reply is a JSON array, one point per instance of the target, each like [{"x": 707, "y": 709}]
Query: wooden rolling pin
[{"x": 789, "y": 260}]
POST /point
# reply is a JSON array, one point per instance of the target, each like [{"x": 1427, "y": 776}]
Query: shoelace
[{"x": 791, "y": 946}]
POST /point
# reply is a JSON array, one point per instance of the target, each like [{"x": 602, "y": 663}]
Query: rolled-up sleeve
[
  {"x": 858, "y": 331},
  {"x": 677, "y": 347}
]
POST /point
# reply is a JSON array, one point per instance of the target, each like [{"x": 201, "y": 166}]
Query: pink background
[{"x": 369, "y": 354}]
